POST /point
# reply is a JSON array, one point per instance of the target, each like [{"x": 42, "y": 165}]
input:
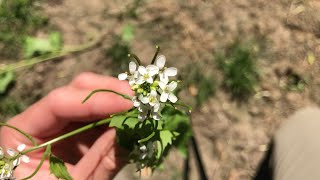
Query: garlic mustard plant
[{"x": 157, "y": 122}]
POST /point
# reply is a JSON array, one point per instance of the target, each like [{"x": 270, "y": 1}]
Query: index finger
[{"x": 63, "y": 105}]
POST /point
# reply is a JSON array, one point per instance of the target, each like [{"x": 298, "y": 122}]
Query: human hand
[{"x": 90, "y": 155}]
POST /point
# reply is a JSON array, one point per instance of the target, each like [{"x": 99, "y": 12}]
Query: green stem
[
  {"x": 105, "y": 90},
  {"x": 155, "y": 55},
  {"x": 55, "y": 55},
  {"x": 45, "y": 155},
  {"x": 20, "y": 131},
  {"x": 67, "y": 135},
  {"x": 136, "y": 58},
  {"x": 147, "y": 138}
]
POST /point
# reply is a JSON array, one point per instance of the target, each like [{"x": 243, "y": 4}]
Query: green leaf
[
  {"x": 5, "y": 80},
  {"x": 55, "y": 40},
  {"x": 131, "y": 122},
  {"x": 166, "y": 138},
  {"x": 178, "y": 123},
  {"x": 127, "y": 33},
  {"x": 39, "y": 46},
  {"x": 128, "y": 119},
  {"x": 58, "y": 168},
  {"x": 117, "y": 121}
]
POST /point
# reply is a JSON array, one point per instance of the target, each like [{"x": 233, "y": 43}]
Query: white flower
[
  {"x": 8, "y": 164},
  {"x": 153, "y": 98},
  {"x": 136, "y": 102},
  {"x": 144, "y": 111},
  {"x": 165, "y": 72},
  {"x": 13, "y": 153},
  {"x": 147, "y": 73},
  {"x": 167, "y": 90},
  {"x": 133, "y": 74}
]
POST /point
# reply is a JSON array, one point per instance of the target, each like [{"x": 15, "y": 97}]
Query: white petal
[
  {"x": 171, "y": 71},
  {"x": 156, "y": 107},
  {"x": 153, "y": 70},
  {"x": 142, "y": 116},
  {"x": 164, "y": 96},
  {"x": 136, "y": 104},
  {"x": 162, "y": 85},
  {"x": 11, "y": 152},
  {"x": 142, "y": 70},
  {"x": 143, "y": 148},
  {"x": 122, "y": 76},
  {"x": 25, "y": 159},
  {"x": 144, "y": 99},
  {"x": 132, "y": 67},
  {"x": 172, "y": 86},
  {"x": 156, "y": 116},
  {"x": 164, "y": 78},
  {"x": 173, "y": 98},
  {"x": 21, "y": 147},
  {"x": 16, "y": 162},
  {"x": 161, "y": 60},
  {"x": 149, "y": 80},
  {"x": 142, "y": 156},
  {"x": 140, "y": 80},
  {"x": 153, "y": 93}
]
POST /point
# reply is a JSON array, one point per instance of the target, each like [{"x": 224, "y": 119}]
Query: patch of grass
[
  {"x": 18, "y": 18},
  {"x": 200, "y": 85},
  {"x": 238, "y": 65}
]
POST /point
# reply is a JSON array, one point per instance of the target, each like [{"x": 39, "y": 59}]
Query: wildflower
[
  {"x": 165, "y": 72},
  {"x": 146, "y": 74},
  {"x": 167, "y": 92},
  {"x": 133, "y": 74},
  {"x": 10, "y": 162}
]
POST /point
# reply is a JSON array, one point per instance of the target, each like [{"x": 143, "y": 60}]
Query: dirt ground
[{"x": 232, "y": 136}]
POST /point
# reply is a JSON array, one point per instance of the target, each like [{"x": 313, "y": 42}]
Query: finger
[
  {"x": 64, "y": 105},
  {"x": 99, "y": 153},
  {"x": 91, "y": 81},
  {"x": 111, "y": 164}
]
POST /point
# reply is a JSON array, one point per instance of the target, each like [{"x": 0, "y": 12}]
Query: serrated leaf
[
  {"x": 58, "y": 168},
  {"x": 117, "y": 121},
  {"x": 5, "y": 80},
  {"x": 128, "y": 119},
  {"x": 131, "y": 122},
  {"x": 166, "y": 138}
]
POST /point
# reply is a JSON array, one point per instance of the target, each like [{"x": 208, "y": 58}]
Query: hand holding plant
[{"x": 59, "y": 126}]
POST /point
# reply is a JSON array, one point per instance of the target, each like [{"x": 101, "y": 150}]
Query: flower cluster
[
  {"x": 152, "y": 87},
  {"x": 10, "y": 160}
]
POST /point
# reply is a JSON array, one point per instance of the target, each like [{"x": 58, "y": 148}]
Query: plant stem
[
  {"x": 67, "y": 135},
  {"x": 20, "y": 131},
  {"x": 155, "y": 55},
  {"x": 106, "y": 90},
  {"x": 55, "y": 55},
  {"x": 45, "y": 155}
]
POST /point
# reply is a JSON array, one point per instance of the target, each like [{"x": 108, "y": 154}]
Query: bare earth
[{"x": 232, "y": 137}]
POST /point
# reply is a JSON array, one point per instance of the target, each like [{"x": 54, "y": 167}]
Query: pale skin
[{"x": 93, "y": 155}]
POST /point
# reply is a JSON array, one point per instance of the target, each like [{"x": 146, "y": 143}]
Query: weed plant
[
  {"x": 18, "y": 18},
  {"x": 238, "y": 66}
]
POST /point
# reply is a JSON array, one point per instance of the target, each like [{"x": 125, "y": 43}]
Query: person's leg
[{"x": 296, "y": 150}]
